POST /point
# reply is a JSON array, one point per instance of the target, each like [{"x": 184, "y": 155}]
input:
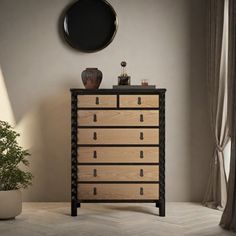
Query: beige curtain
[
  {"x": 228, "y": 220},
  {"x": 218, "y": 88}
]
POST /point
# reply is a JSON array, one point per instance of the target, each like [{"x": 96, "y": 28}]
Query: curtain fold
[
  {"x": 228, "y": 220},
  {"x": 219, "y": 96}
]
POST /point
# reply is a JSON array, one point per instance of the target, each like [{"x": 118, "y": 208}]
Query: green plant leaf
[{"x": 11, "y": 156}]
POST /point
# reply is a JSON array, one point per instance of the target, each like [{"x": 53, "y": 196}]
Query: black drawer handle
[
  {"x": 139, "y": 101},
  {"x": 94, "y": 118},
  {"x": 94, "y": 154},
  {"x": 141, "y": 118},
  {"x": 94, "y": 191},
  {"x": 141, "y": 155},
  {"x": 141, "y": 173},
  {"x": 95, "y": 173},
  {"x": 141, "y": 137},
  {"x": 97, "y": 101},
  {"x": 141, "y": 191},
  {"x": 94, "y": 135}
]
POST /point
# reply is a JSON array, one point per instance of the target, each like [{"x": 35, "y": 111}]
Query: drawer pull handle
[
  {"x": 94, "y": 118},
  {"x": 97, "y": 101},
  {"x": 141, "y": 172},
  {"x": 141, "y": 118},
  {"x": 94, "y": 154},
  {"x": 141, "y": 191},
  {"x": 94, "y": 191},
  {"x": 141, "y": 155},
  {"x": 139, "y": 101},
  {"x": 95, "y": 136},
  {"x": 95, "y": 173},
  {"x": 141, "y": 136}
]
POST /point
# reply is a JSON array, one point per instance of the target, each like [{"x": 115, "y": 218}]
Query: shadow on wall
[
  {"x": 36, "y": 94},
  {"x": 34, "y": 62},
  {"x": 6, "y": 109},
  {"x": 50, "y": 149}
]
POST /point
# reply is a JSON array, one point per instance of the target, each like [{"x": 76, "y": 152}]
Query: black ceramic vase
[{"x": 92, "y": 78}]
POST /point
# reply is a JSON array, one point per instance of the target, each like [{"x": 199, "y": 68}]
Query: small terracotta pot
[
  {"x": 10, "y": 204},
  {"x": 92, "y": 78}
]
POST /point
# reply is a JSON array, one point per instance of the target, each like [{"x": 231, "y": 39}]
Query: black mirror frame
[{"x": 92, "y": 50}]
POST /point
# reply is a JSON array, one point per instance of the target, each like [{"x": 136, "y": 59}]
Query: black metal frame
[
  {"x": 75, "y": 202},
  {"x": 83, "y": 50},
  {"x": 161, "y": 203}
]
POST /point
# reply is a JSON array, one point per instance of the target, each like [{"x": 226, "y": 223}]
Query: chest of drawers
[{"x": 117, "y": 146}]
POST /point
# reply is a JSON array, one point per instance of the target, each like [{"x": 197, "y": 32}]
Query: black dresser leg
[
  {"x": 73, "y": 208},
  {"x": 162, "y": 208},
  {"x": 78, "y": 205},
  {"x": 157, "y": 204}
]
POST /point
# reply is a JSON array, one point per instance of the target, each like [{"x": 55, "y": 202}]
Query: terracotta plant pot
[
  {"x": 10, "y": 204},
  {"x": 92, "y": 78}
]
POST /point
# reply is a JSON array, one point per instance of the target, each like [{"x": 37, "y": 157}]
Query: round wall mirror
[{"x": 90, "y": 25}]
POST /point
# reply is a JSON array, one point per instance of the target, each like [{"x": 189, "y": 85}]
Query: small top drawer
[
  {"x": 87, "y": 101},
  {"x": 143, "y": 101}
]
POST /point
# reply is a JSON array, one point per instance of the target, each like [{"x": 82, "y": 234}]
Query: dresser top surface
[{"x": 118, "y": 91}]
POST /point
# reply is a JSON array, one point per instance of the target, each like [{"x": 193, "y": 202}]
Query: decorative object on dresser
[
  {"x": 144, "y": 82},
  {"x": 123, "y": 79},
  {"x": 90, "y": 25},
  {"x": 92, "y": 78},
  {"x": 134, "y": 87},
  {"x": 118, "y": 146}
]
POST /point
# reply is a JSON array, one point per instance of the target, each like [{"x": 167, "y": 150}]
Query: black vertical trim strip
[
  {"x": 74, "y": 151},
  {"x": 162, "y": 148},
  {"x": 118, "y": 101}
]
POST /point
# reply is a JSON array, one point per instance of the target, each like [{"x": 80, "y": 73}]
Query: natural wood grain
[
  {"x": 113, "y": 136},
  {"x": 90, "y": 101},
  {"x": 118, "y": 154},
  {"x": 118, "y": 136},
  {"x": 118, "y": 118},
  {"x": 118, "y": 173},
  {"x": 118, "y": 191},
  {"x": 146, "y": 101}
]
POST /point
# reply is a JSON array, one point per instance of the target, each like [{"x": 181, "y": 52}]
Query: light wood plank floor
[{"x": 53, "y": 219}]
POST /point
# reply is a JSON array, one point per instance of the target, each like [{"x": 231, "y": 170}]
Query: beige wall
[{"x": 162, "y": 40}]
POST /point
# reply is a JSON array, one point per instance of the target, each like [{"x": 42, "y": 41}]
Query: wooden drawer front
[
  {"x": 118, "y": 136},
  {"x": 118, "y": 191},
  {"x": 118, "y": 118},
  {"x": 139, "y": 101},
  {"x": 97, "y": 101},
  {"x": 118, "y": 173},
  {"x": 118, "y": 154}
]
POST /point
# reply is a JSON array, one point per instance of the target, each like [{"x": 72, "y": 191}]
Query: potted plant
[{"x": 12, "y": 178}]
